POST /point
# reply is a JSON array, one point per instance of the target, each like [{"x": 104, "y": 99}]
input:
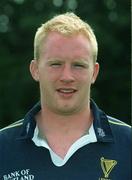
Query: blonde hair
[{"x": 66, "y": 24}]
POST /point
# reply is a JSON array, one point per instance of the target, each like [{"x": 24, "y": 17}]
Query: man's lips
[{"x": 66, "y": 90}]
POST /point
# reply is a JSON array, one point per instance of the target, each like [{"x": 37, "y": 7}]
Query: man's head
[
  {"x": 65, "y": 64},
  {"x": 67, "y": 24}
]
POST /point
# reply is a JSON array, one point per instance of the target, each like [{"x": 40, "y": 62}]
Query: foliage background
[{"x": 19, "y": 20}]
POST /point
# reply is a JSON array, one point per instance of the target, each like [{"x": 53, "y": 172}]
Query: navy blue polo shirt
[{"x": 109, "y": 158}]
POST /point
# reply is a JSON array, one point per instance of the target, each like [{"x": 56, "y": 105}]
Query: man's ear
[
  {"x": 34, "y": 70},
  {"x": 95, "y": 72}
]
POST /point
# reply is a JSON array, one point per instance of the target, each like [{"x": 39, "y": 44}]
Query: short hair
[{"x": 67, "y": 24}]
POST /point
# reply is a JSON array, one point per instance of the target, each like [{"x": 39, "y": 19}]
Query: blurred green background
[{"x": 19, "y": 20}]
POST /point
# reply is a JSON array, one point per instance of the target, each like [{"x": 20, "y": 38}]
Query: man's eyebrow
[
  {"x": 54, "y": 60},
  {"x": 81, "y": 60}
]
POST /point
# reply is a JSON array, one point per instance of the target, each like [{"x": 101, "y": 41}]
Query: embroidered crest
[
  {"x": 101, "y": 132},
  {"x": 107, "y": 166},
  {"x": 27, "y": 127}
]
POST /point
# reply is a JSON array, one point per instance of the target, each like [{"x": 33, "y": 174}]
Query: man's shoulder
[
  {"x": 11, "y": 131},
  {"x": 117, "y": 123},
  {"x": 119, "y": 127}
]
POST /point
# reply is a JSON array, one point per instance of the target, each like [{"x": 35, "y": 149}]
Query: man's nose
[{"x": 67, "y": 74}]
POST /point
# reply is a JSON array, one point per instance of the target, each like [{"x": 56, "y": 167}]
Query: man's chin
[{"x": 66, "y": 110}]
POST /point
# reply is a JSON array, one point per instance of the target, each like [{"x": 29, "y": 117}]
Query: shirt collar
[
  {"x": 89, "y": 137},
  {"x": 101, "y": 125},
  {"x": 29, "y": 122}
]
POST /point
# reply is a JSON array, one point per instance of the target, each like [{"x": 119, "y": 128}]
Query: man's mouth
[{"x": 67, "y": 91}]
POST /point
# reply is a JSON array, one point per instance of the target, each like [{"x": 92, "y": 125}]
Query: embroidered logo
[
  {"x": 23, "y": 174},
  {"x": 101, "y": 132},
  {"x": 27, "y": 127},
  {"x": 107, "y": 165}
]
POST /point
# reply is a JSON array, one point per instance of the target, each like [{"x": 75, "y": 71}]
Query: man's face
[{"x": 65, "y": 72}]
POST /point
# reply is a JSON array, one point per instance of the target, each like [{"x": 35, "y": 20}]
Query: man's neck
[
  {"x": 62, "y": 131},
  {"x": 51, "y": 122}
]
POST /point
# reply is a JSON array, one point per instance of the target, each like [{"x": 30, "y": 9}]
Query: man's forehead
[{"x": 57, "y": 35}]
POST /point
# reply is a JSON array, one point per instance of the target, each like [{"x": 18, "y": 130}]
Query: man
[{"x": 65, "y": 136}]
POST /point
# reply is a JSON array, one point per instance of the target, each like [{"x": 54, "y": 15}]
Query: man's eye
[
  {"x": 79, "y": 65},
  {"x": 55, "y": 64}
]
